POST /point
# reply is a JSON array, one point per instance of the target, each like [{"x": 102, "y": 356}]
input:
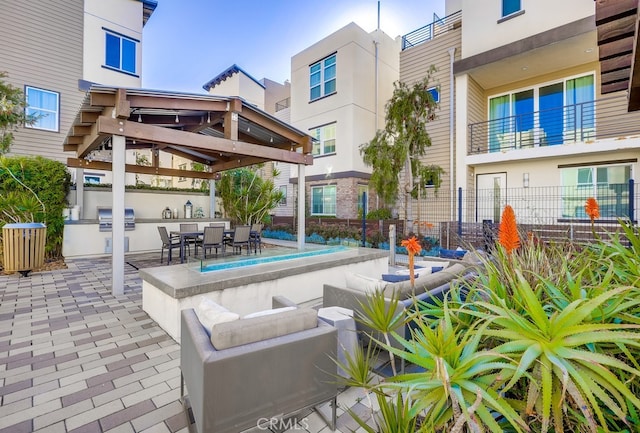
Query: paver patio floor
[{"x": 74, "y": 358}]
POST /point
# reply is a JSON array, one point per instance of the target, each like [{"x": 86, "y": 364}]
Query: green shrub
[
  {"x": 379, "y": 214},
  {"x": 49, "y": 182}
]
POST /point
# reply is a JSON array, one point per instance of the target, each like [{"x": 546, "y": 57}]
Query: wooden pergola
[{"x": 222, "y": 133}]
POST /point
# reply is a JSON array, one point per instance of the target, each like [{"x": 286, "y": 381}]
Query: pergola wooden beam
[
  {"x": 157, "y": 134},
  {"x": 140, "y": 169}
]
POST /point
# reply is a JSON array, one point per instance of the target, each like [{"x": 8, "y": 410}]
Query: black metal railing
[
  {"x": 281, "y": 105},
  {"x": 602, "y": 118},
  {"x": 432, "y": 30}
]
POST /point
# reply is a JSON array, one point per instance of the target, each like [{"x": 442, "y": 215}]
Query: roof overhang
[
  {"x": 617, "y": 23},
  {"x": 220, "y": 132}
]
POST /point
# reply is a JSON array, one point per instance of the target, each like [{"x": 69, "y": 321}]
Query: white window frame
[
  {"x": 502, "y": 5},
  {"x": 39, "y": 113},
  {"x": 324, "y": 135},
  {"x": 324, "y": 210},
  {"x": 122, "y": 38},
  {"x": 283, "y": 189},
  {"x": 536, "y": 91},
  {"x": 182, "y": 167},
  {"x": 435, "y": 93},
  {"x": 591, "y": 189},
  {"x": 319, "y": 68}
]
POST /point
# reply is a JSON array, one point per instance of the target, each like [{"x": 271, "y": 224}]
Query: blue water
[{"x": 257, "y": 260}]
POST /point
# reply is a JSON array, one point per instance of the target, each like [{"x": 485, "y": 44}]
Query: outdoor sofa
[
  {"x": 427, "y": 285},
  {"x": 253, "y": 370}
]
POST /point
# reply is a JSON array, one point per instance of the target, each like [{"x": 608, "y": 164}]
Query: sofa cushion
[
  {"x": 396, "y": 278},
  {"x": 209, "y": 313},
  {"x": 268, "y": 312},
  {"x": 431, "y": 263},
  {"x": 452, "y": 254},
  {"x": 245, "y": 331},
  {"x": 363, "y": 283},
  {"x": 423, "y": 283}
]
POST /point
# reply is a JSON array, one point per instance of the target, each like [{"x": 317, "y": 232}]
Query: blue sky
[{"x": 188, "y": 42}]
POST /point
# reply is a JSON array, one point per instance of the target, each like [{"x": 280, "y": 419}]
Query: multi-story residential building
[
  {"x": 271, "y": 97},
  {"x": 55, "y": 49},
  {"x": 527, "y": 109},
  {"x": 339, "y": 87}
]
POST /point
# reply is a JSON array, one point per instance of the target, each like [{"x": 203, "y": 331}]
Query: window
[
  {"x": 322, "y": 78},
  {"x": 325, "y": 140},
  {"x": 120, "y": 52},
  {"x": 283, "y": 190},
  {"x": 609, "y": 184},
  {"x": 323, "y": 200},
  {"x": 435, "y": 93},
  {"x": 362, "y": 190},
  {"x": 510, "y": 6},
  {"x": 92, "y": 179},
  {"x": 546, "y": 115},
  {"x": 44, "y": 107},
  {"x": 182, "y": 167}
]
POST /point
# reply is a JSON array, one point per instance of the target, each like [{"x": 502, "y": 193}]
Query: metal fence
[{"x": 471, "y": 217}]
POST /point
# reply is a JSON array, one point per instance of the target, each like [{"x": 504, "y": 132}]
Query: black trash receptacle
[{"x": 23, "y": 246}]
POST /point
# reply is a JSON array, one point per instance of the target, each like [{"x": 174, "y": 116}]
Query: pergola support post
[
  {"x": 301, "y": 202},
  {"x": 118, "y": 146}
]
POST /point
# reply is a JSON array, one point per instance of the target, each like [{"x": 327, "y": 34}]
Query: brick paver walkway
[{"x": 74, "y": 358}]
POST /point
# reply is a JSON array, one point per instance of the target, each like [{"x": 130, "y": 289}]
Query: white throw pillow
[
  {"x": 209, "y": 313},
  {"x": 363, "y": 283},
  {"x": 268, "y": 312},
  {"x": 431, "y": 263},
  {"x": 416, "y": 271}
]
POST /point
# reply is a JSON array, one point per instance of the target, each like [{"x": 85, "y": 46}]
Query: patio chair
[
  {"x": 213, "y": 238},
  {"x": 190, "y": 240},
  {"x": 168, "y": 243},
  {"x": 240, "y": 237},
  {"x": 256, "y": 237}
]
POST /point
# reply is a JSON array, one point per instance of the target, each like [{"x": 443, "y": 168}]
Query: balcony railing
[
  {"x": 284, "y": 103},
  {"x": 430, "y": 31},
  {"x": 587, "y": 121}
]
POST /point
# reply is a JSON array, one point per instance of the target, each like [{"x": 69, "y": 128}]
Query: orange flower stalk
[
  {"x": 592, "y": 209},
  {"x": 508, "y": 233},
  {"x": 413, "y": 248}
]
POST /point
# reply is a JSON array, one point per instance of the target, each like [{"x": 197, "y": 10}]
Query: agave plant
[
  {"x": 382, "y": 315},
  {"x": 460, "y": 382},
  {"x": 560, "y": 355}
]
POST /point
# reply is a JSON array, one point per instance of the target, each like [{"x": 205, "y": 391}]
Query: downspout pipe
[{"x": 452, "y": 112}]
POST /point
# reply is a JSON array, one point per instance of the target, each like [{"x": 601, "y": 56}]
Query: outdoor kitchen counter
[{"x": 83, "y": 238}]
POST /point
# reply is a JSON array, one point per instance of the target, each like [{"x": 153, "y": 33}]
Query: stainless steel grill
[{"x": 105, "y": 219}]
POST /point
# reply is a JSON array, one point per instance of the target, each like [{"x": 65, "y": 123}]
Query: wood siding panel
[
  {"x": 414, "y": 65},
  {"x": 477, "y": 112},
  {"x": 41, "y": 45}
]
